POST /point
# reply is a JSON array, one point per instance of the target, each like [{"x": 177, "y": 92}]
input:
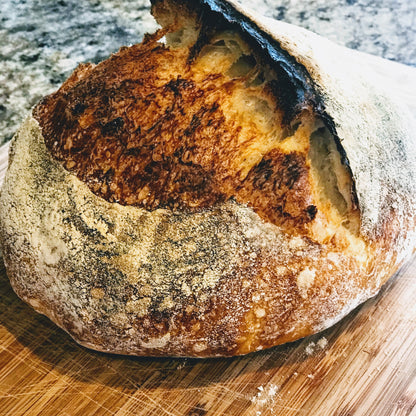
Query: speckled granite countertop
[{"x": 42, "y": 41}]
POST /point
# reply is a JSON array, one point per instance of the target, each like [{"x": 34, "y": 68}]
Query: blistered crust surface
[
  {"x": 125, "y": 280},
  {"x": 148, "y": 128}
]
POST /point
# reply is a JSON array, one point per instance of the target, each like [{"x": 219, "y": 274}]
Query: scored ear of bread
[
  {"x": 235, "y": 137},
  {"x": 214, "y": 190}
]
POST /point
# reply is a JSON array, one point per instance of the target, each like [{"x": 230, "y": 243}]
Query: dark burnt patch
[
  {"x": 112, "y": 127},
  {"x": 278, "y": 189},
  {"x": 78, "y": 109}
]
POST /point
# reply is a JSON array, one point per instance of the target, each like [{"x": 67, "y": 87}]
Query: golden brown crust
[{"x": 139, "y": 134}]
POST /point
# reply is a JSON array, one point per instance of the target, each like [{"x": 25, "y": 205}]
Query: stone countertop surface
[{"x": 42, "y": 41}]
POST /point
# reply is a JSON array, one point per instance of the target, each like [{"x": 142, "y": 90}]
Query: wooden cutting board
[{"x": 365, "y": 365}]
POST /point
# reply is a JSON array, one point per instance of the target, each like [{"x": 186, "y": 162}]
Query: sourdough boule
[{"x": 230, "y": 184}]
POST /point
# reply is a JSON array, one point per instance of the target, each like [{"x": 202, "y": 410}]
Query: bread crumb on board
[
  {"x": 265, "y": 397},
  {"x": 312, "y": 347}
]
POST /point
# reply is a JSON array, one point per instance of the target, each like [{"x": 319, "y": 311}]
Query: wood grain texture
[{"x": 364, "y": 365}]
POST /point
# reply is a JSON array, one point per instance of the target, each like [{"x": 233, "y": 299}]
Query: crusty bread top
[
  {"x": 150, "y": 129},
  {"x": 197, "y": 122}
]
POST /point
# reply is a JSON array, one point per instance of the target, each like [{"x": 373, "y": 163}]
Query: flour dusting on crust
[{"x": 123, "y": 279}]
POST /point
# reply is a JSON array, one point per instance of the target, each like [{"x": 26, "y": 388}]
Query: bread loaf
[{"x": 230, "y": 184}]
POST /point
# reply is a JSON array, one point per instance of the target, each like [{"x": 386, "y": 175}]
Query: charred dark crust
[{"x": 283, "y": 178}]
